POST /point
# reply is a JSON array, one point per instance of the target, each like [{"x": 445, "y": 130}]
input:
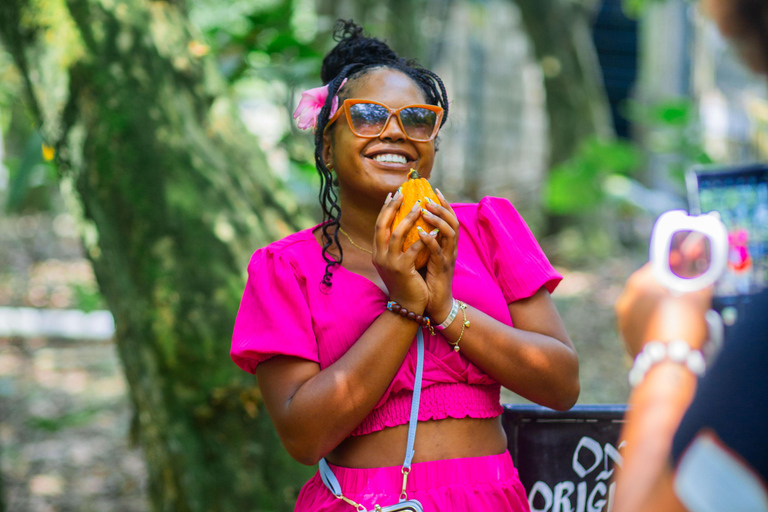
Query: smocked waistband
[{"x": 438, "y": 401}]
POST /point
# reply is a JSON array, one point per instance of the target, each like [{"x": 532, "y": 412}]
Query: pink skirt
[{"x": 472, "y": 484}]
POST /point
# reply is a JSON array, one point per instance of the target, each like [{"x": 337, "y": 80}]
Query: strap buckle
[{"x": 405, "y": 471}]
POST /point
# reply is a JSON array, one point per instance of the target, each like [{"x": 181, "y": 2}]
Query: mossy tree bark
[
  {"x": 174, "y": 197},
  {"x": 577, "y": 106}
]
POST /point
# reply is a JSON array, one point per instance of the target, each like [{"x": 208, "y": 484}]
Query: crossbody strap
[
  {"x": 415, "y": 399},
  {"x": 326, "y": 474}
]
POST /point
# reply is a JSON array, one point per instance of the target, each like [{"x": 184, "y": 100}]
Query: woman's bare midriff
[{"x": 435, "y": 440}]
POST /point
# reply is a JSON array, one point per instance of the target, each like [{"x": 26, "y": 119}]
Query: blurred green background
[{"x": 147, "y": 149}]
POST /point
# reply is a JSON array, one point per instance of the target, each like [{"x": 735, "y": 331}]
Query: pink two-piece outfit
[{"x": 286, "y": 311}]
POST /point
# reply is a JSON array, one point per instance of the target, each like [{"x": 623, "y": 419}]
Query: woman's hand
[
  {"x": 646, "y": 311},
  {"x": 396, "y": 267},
  {"x": 442, "y": 259}
]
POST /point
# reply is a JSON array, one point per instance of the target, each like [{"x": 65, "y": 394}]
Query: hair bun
[{"x": 354, "y": 47}]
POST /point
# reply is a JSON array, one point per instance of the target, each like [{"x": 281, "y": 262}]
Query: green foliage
[
  {"x": 87, "y": 297},
  {"x": 635, "y": 8},
  {"x": 260, "y": 36},
  {"x": 32, "y": 179},
  {"x": 268, "y": 52},
  {"x": 577, "y": 185},
  {"x": 68, "y": 420},
  {"x": 584, "y": 182},
  {"x": 9, "y": 89},
  {"x": 673, "y": 130}
]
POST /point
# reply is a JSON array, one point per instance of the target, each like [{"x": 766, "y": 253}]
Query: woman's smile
[{"x": 391, "y": 158}]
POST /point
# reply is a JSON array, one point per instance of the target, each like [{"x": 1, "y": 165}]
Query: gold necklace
[{"x": 353, "y": 242}]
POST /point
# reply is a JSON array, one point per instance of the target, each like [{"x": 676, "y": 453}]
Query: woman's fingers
[
  {"x": 445, "y": 228},
  {"x": 453, "y": 219},
  {"x": 398, "y": 233},
  {"x": 443, "y": 217},
  {"x": 429, "y": 239},
  {"x": 410, "y": 254},
  {"x": 384, "y": 221}
]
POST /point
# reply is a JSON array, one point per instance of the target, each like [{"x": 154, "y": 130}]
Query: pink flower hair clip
[{"x": 312, "y": 101}]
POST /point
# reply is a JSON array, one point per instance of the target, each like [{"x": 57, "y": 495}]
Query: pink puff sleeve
[
  {"x": 274, "y": 317},
  {"x": 512, "y": 253}
]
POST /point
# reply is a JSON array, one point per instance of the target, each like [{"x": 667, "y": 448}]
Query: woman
[{"x": 336, "y": 368}]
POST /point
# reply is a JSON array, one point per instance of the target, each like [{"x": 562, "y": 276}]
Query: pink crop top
[{"x": 285, "y": 311}]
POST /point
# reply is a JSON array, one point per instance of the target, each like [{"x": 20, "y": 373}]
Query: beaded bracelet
[
  {"x": 677, "y": 351},
  {"x": 464, "y": 324},
  {"x": 423, "y": 321}
]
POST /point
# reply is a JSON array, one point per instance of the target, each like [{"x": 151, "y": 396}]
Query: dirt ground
[{"x": 64, "y": 410}]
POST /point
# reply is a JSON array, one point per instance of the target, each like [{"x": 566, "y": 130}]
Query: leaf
[
  {"x": 576, "y": 186},
  {"x": 32, "y": 172},
  {"x": 572, "y": 189},
  {"x": 635, "y": 8},
  {"x": 87, "y": 297},
  {"x": 614, "y": 156}
]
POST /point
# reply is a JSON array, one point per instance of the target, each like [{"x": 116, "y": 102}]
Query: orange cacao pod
[{"x": 415, "y": 189}]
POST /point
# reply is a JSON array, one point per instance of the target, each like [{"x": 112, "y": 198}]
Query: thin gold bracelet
[{"x": 464, "y": 324}]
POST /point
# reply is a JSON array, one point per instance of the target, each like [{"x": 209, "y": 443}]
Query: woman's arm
[
  {"x": 655, "y": 409},
  {"x": 535, "y": 359},
  {"x": 314, "y": 410}
]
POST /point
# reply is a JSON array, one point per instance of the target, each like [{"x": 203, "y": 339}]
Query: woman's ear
[{"x": 327, "y": 157}]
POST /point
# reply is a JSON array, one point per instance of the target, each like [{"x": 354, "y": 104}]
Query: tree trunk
[
  {"x": 174, "y": 197},
  {"x": 576, "y": 103},
  {"x": 398, "y": 22}
]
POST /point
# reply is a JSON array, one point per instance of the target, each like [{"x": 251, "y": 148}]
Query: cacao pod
[{"x": 415, "y": 189}]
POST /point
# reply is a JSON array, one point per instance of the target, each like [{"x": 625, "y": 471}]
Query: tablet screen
[{"x": 740, "y": 195}]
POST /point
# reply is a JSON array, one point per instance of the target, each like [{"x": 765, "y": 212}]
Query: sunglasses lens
[
  {"x": 418, "y": 123},
  {"x": 368, "y": 119}
]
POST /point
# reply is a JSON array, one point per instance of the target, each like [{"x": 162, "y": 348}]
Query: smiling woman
[{"x": 349, "y": 341}]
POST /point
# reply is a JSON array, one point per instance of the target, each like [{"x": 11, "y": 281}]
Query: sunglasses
[{"x": 369, "y": 119}]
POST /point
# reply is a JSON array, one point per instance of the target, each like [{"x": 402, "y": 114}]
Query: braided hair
[{"x": 355, "y": 55}]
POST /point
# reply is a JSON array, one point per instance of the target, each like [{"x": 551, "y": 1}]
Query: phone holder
[{"x": 688, "y": 253}]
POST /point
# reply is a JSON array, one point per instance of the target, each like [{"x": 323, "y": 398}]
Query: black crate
[{"x": 565, "y": 459}]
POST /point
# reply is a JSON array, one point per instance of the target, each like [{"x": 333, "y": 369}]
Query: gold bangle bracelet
[{"x": 464, "y": 324}]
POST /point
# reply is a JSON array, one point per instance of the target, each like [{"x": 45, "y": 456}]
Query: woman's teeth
[{"x": 390, "y": 158}]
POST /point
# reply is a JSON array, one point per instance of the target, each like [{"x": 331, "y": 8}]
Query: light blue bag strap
[
  {"x": 330, "y": 480},
  {"x": 415, "y": 399}
]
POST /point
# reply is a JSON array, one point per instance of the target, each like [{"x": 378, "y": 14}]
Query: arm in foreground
[{"x": 646, "y": 312}]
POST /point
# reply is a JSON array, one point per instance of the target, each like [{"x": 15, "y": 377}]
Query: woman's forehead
[{"x": 386, "y": 85}]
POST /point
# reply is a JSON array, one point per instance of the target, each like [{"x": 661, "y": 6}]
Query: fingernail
[
  {"x": 439, "y": 193},
  {"x": 430, "y": 201},
  {"x": 434, "y": 232},
  {"x": 418, "y": 228},
  {"x": 399, "y": 192},
  {"x": 425, "y": 211},
  {"x": 388, "y": 199},
  {"x": 415, "y": 206}
]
